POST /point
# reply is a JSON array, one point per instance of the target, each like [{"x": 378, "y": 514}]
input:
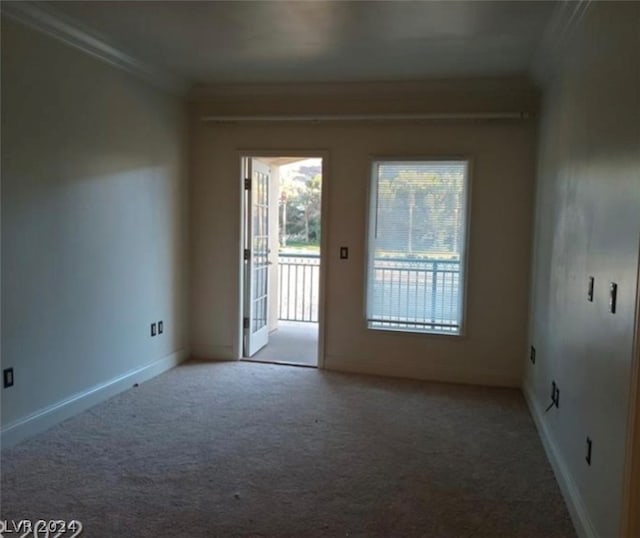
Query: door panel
[{"x": 257, "y": 261}]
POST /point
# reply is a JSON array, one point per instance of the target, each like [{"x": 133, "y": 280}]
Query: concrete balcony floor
[{"x": 294, "y": 342}]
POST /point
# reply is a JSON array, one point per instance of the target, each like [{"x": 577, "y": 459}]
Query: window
[{"x": 416, "y": 246}]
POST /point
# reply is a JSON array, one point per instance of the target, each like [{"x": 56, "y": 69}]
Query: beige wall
[
  {"x": 588, "y": 224},
  {"x": 437, "y": 96},
  {"x": 499, "y": 255},
  {"x": 94, "y": 229}
]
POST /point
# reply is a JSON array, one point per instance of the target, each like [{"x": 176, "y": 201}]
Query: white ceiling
[{"x": 283, "y": 41}]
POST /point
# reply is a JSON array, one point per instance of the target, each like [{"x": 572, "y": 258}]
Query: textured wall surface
[
  {"x": 588, "y": 224},
  {"x": 503, "y": 165},
  {"x": 94, "y": 235}
]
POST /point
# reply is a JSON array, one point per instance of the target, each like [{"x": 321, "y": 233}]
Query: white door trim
[
  {"x": 255, "y": 339},
  {"x": 324, "y": 240},
  {"x": 631, "y": 496}
]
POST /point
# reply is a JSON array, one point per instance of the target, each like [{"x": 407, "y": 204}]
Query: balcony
[
  {"x": 298, "y": 285},
  {"x": 426, "y": 291},
  {"x": 415, "y": 294}
]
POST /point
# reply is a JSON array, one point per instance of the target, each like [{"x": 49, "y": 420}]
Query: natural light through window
[{"x": 416, "y": 246}]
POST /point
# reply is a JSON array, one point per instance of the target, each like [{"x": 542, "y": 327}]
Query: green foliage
[
  {"x": 300, "y": 208},
  {"x": 419, "y": 212}
]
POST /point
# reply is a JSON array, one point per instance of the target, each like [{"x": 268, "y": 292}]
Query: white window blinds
[{"x": 416, "y": 250}]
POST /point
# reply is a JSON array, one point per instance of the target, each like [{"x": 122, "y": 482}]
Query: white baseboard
[
  {"x": 51, "y": 415},
  {"x": 421, "y": 371},
  {"x": 577, "y": 509}
]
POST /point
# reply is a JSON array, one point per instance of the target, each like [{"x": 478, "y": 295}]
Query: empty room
[{"x": 320, "y": 268}]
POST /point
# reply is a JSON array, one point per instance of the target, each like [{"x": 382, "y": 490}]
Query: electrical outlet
[
  {"x": 160, "y": 327},
  {"x": 153, "y": 329},
  {"x": 532, "y": 355},
  {"x": 7, "y": 375},
  {"x": 589, "y": 446}
]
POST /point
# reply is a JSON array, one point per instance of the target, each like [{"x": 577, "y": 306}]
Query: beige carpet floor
[{"x": 248, "y": 449}]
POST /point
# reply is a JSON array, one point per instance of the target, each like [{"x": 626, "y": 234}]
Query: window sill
[{"x": 430, "y": 333}]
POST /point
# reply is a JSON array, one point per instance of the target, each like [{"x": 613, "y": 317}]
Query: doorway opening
[{"x": 282, "y": 259}]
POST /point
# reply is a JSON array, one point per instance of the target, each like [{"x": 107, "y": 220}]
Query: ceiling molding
[
  {"x": 317, "y": 118},
  {"x": 45, "y": 18},
  {"x": 360, "y": 90},
  {"x": 567, "y": 16},
  {"x": 439, "y": 99}
]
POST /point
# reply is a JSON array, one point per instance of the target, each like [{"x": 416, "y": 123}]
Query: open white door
[{"x": 256, "y": 256}]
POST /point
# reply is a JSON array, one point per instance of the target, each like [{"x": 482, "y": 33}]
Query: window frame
[{"x": 374, "y": 161}]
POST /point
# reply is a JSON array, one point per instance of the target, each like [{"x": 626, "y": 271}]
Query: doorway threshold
[
  {"x": 282, "y": 363},
  {"x": 293, "y": 342}
]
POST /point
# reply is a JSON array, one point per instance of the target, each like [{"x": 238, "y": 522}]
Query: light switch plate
[
  {"x": 590, "y": 289},
  {"x": 613, "y": 297},
  {"x": 8, "y": 378}
]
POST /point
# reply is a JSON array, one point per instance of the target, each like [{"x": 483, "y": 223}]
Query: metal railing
[
  {"x": 299, "y": 279},
  {"x": 405, "y": 293},
  {"x": 415, "y": 294}
]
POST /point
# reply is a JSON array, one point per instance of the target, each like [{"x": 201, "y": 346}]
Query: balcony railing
[
  {"x": 415, "y": 294},
  {"x": 299, "y": 279},
  {"x": 405, "y": 293}
]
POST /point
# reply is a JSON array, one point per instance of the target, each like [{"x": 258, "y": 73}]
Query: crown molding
[
  {"x": 567, "y": 16},
  {"x": 363, "y": 90},
  {"x": 436, "y": 99},
  {"x": 317, "y": 118},
  {"x": 43, "y": 17}
]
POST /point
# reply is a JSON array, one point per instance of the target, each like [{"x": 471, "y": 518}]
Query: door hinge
[
  {"x": 247, "y": 183},
  {"x": 247, "y": 254},
  {"x": 245, "y": 323}
]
